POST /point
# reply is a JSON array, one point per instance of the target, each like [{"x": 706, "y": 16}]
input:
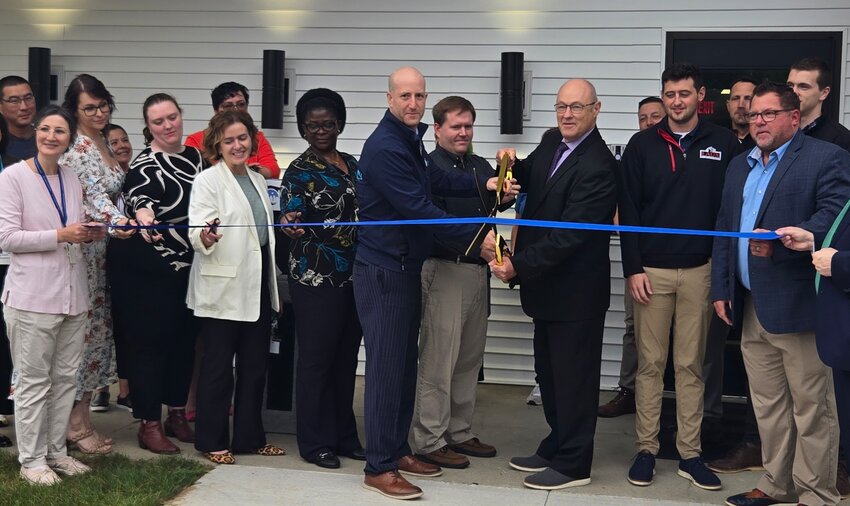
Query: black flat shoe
[
  {"x": 326, "y": 459},
  {"x": 358, "y": 454},
  {"x": 5, "y": 442}
]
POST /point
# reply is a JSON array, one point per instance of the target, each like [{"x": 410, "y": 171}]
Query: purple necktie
[{"x": 562, "y": 148}]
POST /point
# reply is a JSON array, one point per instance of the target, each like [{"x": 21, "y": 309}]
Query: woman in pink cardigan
[{"x": 45, "y": 298}]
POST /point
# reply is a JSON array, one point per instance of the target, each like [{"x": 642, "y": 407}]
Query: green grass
[{"x": 115, "y": 480}]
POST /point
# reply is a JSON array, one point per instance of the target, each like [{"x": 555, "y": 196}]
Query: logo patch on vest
[{"x": 711, "y": 154}]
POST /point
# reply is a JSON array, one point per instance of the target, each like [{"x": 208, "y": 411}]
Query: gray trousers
[
  {"x": 629, "y": 362},
  {"x": 451, "y": 347},
  {"x": 46, "y": 352}
]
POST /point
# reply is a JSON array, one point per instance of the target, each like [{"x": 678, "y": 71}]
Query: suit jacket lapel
[
  {"x": 544, "y": 184},
  {"x": 787, "y": 160}
]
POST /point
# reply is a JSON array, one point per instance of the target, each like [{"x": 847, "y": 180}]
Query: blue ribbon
[{"x": 494, "y": 221}]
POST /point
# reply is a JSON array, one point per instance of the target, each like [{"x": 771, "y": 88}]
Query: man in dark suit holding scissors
[{"x": 565, "y": 282}]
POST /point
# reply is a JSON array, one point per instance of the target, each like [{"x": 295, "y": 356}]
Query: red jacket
[{"x": 265, "y": 154}]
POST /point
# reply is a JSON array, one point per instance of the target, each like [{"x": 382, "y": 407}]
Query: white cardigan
[{"x": 225, "y": 279}]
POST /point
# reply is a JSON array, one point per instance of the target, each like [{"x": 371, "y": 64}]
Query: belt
[{"x": 462, "y": 259}]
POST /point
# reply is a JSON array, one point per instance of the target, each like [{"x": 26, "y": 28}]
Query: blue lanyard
[{"x": 63, "y": 214}]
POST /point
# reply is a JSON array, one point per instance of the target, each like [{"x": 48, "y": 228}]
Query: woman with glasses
[
  {"x": 101, "y": 177},
  {"x": 45, "y": 297},
  {"x": 318, "y": 186}
]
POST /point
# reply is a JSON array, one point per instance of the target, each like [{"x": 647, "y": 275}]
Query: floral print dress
[{"x": 101, "y": 187}]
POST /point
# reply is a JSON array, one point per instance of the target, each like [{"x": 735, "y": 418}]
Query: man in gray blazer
[{"x": 787, "y": 179}]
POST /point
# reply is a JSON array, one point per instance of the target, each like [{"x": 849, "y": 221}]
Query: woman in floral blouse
[
  {"x": 101, "y": 177},
  {"x": 319, "y": 187}
]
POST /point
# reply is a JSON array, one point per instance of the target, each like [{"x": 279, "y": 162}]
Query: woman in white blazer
[{"x": 232, "y": 289}]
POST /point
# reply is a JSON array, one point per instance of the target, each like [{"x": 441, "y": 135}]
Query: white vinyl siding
[{"x": 186, "y": 47}]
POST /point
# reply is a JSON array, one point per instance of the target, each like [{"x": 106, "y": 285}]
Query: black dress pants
[
  {"x": 567, "y": 360},
  {"x": 6, "y": 406},
  {"x": 328, "y": 332},
  {"x": 249, "y": 343},
  {"x": 158, "y": 331}
]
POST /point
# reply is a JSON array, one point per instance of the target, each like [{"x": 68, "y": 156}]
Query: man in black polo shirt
[
  {"x": 811, "y": 79},
  {"x": 455, "y": 305}
]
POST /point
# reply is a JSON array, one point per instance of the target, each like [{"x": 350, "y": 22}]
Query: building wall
[{"x": 186, "y": 47}]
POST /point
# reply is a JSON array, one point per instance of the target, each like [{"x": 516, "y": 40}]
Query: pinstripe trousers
[{"x": 389, "y": 307}]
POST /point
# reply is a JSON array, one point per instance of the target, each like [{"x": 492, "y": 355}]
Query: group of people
[
  {"x": 164, "y": 292},
  {"x": 692, "y": 181},
  {"x": 72, "y": 298}
]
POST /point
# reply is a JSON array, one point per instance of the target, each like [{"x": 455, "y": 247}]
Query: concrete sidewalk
[
  {"x": 255, "y": 486},
  {"x": 502, "y": 418}
]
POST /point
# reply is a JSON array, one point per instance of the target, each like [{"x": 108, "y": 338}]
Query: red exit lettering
[{"x": 706, "y": 107}]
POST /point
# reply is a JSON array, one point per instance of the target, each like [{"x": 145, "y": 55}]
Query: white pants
[{"x": 46, "y": 352}]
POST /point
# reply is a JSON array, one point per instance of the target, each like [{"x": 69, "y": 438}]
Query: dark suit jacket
[
  {"x": 808, "y": 189},
  {"x": 565, "y": 274},
  {"x": 833, "y": 309}
]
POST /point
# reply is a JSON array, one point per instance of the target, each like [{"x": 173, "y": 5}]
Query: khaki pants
[
  {"x": 794, "y": 400},
  {"x": 46, "y": 352},
  {"x": 451, "y": 346},
  {"x": 682, "y": 294}
]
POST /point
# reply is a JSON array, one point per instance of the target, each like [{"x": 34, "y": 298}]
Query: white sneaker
[
  {"x": 40, "y": 476},
  {"x": 69, "y": 466},
  {"x": 534, "y": 398}
]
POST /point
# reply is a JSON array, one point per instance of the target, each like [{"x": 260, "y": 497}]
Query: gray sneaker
[
  {"x": 549, "y": 479},
  {"x": 532, "y": 464},
  {"x": 99, "y": 401}
]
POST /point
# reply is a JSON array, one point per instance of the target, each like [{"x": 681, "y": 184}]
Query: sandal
[
  {"x": 100, "y": 447},
  {"x": 220, "y": 458},
  {"x": 270, "y": 451}
]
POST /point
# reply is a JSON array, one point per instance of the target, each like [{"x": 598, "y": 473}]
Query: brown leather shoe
[
  {"x": 842, "y": 481},
  {"x": 622, "y": 404},
  {"x": 744, "y": 457},
  {"x": 152, "y": 438},
  {"x": 392, "y": 485},
  {"x": 474, "y": 448},
  {"x": 177, "y": 426},
  {"x": 413, "y": 466},
  {"x": 444, "y": 457}
]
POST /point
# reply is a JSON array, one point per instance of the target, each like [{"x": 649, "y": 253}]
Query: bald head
[
  {"x": 573, "y": 95},
  {"x": 406, "y": 95},
  {"x": 404, "y": 74}
]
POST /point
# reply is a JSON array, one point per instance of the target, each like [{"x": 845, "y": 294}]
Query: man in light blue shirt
[{"x": 789, "y": 179}]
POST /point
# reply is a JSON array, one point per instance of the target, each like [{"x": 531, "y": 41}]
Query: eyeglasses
[
  {"x": 327, "y": 126},
  {"x": 575, "y": 108},
  {"x": 230, "y": 106},
  {"x": 767, "y": 116},
  {"x": 91, "y": 110},
  {"x": 17, "y": 101}
]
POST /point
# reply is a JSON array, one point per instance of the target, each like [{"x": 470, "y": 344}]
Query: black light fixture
[{"x": 511, "y": 96}]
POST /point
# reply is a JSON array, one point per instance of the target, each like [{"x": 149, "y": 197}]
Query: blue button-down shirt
[{"x": 754, "y": 188}]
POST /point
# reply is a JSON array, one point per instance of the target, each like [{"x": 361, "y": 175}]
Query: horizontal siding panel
[
  {"x": 388, "y": 52},
  {"x": 512, "y": 23},
  {"x": 421, "y": 34}
]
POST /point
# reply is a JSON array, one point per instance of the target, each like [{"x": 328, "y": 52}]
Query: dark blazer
[
  {"x": 833, "y": 308},
  {"x": 808, "y": 189},
  {"x": 565, "y": 275}
]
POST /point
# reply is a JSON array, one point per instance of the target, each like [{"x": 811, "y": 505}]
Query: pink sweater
[{"x": 41, "y": 277}]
